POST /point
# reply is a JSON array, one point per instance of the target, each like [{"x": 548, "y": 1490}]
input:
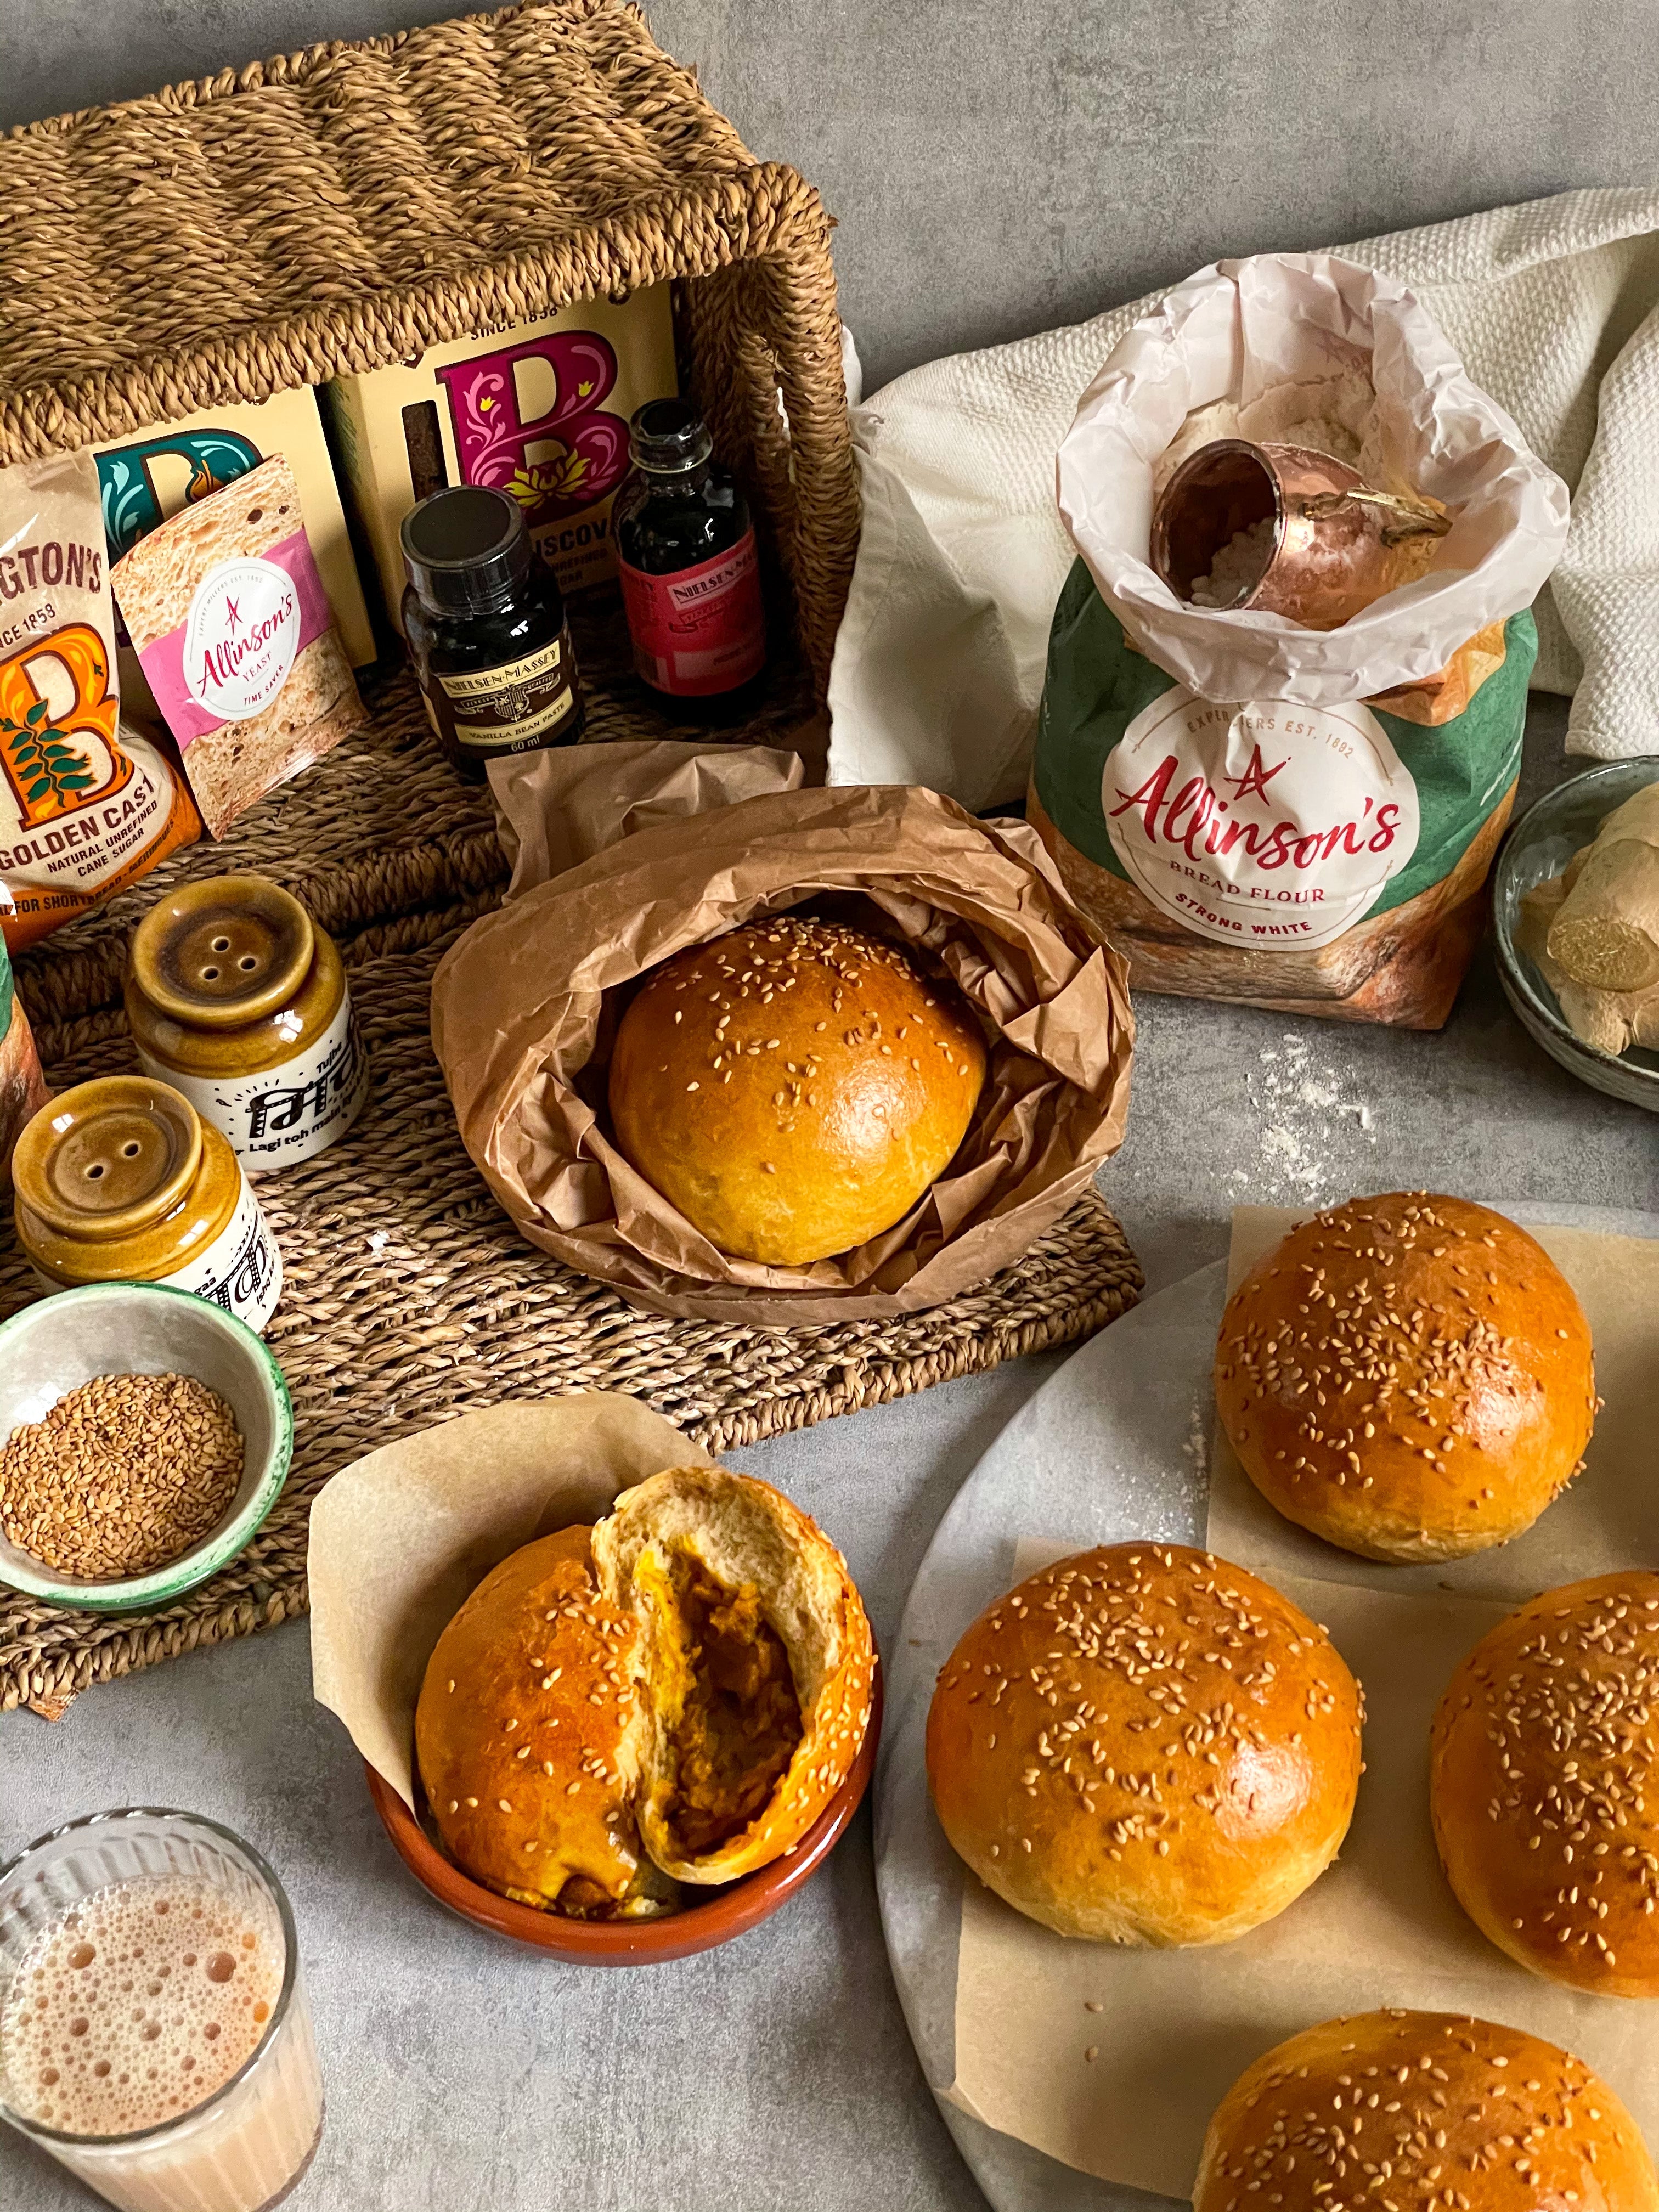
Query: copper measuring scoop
[{"x": 1337, "y": 543}]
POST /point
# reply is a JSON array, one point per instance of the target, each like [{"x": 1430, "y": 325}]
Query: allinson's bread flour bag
[
  {"x": 1296, "y": 811},
  {"x": 87, "y": 802},
  {"x": 236, "y": 636}
]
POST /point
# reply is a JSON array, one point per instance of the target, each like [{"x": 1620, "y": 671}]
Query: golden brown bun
[
  {"x": 793, "y": 1088},
  {"x": 1145, "y": 1744},
  {"x": 1422, "y": 2111},
  {"x": 529, "y": 1781},
  {"x": 1544, "y": 1784},
  {"x": 753, "y": 1642},
  {"x": 1408, "y": 1377}
]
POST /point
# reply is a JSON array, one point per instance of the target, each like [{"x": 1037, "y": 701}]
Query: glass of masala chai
[{"x": 155, "y": 2036}]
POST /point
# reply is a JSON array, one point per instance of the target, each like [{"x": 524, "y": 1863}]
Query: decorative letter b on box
[{"x": 564, "y": 456}]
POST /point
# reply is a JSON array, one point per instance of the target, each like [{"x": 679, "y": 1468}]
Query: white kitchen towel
[{"x": 1554, "y": 306}]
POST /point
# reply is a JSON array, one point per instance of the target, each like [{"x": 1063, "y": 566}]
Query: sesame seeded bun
[
  {"x": 1544, "y": 1784},
  {"x": 793, "y": 1088},
  {"x": 1413, "y": 2112},
  {"x": 1408, "y": 1376},
  {"x": 528, "y": 1732},
  {"x": 755, "y": 1664},
  {"x": 1143, "y": 1745}
]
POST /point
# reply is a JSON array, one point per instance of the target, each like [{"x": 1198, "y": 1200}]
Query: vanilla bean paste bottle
[
  {"x": 690, "y": 573},
  {"x": 486, "y": 626}
]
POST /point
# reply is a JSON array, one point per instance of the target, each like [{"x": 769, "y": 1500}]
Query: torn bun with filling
[
  {"x": 755, "y": 1664},
  {"x": 671, "y": 1697},
  {"x": 1143, "y": 1745},
  {"x": 1408, "y": 1377},
  {"x": 794, "y": 1087},
  {"x": 528, "y": 1734}
]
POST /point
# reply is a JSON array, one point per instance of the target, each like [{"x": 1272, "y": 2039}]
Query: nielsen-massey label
[
  {"x": 287, "y": 1113},
  {"x": 698, "y": 631},
  {"x": 1258, "y": 823},
  {"x": 507, "y": 709}
]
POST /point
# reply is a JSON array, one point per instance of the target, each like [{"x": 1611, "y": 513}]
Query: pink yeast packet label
[{"x": 248, "y": 621}]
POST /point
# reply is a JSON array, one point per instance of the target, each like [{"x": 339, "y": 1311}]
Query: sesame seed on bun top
[
  {"x": 794, "y": 1087},
  {"x": 1544, "y": 1784},
  {"x": 1409, "y": 1376},
  {"x": 1144, "y": 1744},
  {"x": 1421, "y": 2111}
]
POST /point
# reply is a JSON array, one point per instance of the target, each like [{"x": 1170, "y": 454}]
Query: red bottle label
[{"x": 701, "y": 630}]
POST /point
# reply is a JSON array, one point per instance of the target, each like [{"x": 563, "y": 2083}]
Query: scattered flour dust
[{"x": 1301, "y": 1105}]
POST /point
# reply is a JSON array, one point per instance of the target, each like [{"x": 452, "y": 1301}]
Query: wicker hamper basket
[
  {"x": 331, "y": 213},
  {"x": 336, "y": 211}
]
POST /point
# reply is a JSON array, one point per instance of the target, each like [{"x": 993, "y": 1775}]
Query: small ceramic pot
[
  {"x": 237, "y": 999},
  {"x": 120, "y": 1181}
]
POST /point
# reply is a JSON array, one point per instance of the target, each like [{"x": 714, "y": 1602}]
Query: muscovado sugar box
[
  {"x": 539, "y": 410},
  {"x": 144, "y": 478}
]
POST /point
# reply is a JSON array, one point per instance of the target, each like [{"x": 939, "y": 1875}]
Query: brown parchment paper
[
  {"x": 524, "y": 1008},
  {"x": 1379, "y": 1928},
  {"x": 401, "y": 1537},
  {"x": 558, "y": 807},
  {"x": 1609, "y": 1518}
]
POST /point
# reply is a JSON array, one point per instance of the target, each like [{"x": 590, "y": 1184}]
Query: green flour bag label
[{"x": 1321, "y": 859}]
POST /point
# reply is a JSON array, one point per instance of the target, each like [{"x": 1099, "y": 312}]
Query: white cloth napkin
[{"x": 1554, "y": 306}]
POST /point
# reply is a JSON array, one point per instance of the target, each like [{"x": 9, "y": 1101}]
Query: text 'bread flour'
[
  {"x": 235, "y": 633},
  {"x": 87, "y": 803}
]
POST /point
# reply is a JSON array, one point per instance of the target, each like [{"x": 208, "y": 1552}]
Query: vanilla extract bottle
[
  {"x": 688, "y": 569},
  {"x": 485, "y": 622}
]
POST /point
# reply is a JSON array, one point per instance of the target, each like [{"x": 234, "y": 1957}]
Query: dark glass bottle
[
  {"x": 691, "y": 578},
  {"x": 486, "y": 626}
]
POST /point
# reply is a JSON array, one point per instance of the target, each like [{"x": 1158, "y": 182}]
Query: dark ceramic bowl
[{"x": 716, "y": 1918}]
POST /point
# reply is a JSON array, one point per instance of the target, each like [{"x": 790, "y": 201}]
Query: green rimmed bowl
[
  {"x": 1540, "y": 845},
  {"x": 145, "y": 1328}
]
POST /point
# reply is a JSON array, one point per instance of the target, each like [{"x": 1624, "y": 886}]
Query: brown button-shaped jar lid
[
  {"x": 224, "y": 951},
  {"x": 108, "y": 1156}
]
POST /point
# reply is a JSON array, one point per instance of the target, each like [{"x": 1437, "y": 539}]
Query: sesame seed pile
[
  {"x": 1557, "y": 1712},
  {"x": 1427, "y": 2115},
  {"x": 1172, "y": 1646},
  {"x": 1381, "y": 1350},
  {"x": 737, "y": 977},
  {"x": 124, "y": 1475}
]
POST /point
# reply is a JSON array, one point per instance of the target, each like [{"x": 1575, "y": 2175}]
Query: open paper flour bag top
[{"x": 1249, "y": 806}]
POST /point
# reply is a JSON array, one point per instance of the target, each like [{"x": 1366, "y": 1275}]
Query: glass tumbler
[{"x": 250, "y": 2142}]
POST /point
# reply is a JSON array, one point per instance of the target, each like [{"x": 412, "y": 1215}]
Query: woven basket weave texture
[
  {"x": 349, "y": 206},
  {"x": 410, "y": 1297}
]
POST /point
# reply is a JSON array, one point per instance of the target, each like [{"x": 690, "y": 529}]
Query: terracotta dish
[{"x": 719, "y": 1916}]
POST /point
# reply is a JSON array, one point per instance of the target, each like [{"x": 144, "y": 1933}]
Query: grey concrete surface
[{"x": 997, "y": 169}]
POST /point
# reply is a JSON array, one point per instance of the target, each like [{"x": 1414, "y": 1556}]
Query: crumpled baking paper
[
  {"x": 1232, "y": 332},
  {"x": 524, "y": 1009}
]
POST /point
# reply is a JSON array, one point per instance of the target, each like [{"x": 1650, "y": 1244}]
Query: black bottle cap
[
  {"x": 669, "y": 437},
  {"x": 467, "y": 548}
]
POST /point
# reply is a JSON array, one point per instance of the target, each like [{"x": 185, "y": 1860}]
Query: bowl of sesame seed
[{"x": 144, "y": 1435}]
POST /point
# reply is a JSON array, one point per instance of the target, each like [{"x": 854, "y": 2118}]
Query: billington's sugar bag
[
  {"x": 87, "y": 803},
  {"x": 1246, "y": 808}
]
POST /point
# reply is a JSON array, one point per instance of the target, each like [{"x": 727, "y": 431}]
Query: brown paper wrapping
[
  {"x": 1174, "y": 2028},
  {"x": 402, "y": 1537},
  {"x": 559, "y": 807},
  {"x": 524, "y": 1006}
]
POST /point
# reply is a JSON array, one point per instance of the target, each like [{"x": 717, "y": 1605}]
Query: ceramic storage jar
[
  {"x": 237, "y": 999},
  {"x": 120, "y": 1181}
]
